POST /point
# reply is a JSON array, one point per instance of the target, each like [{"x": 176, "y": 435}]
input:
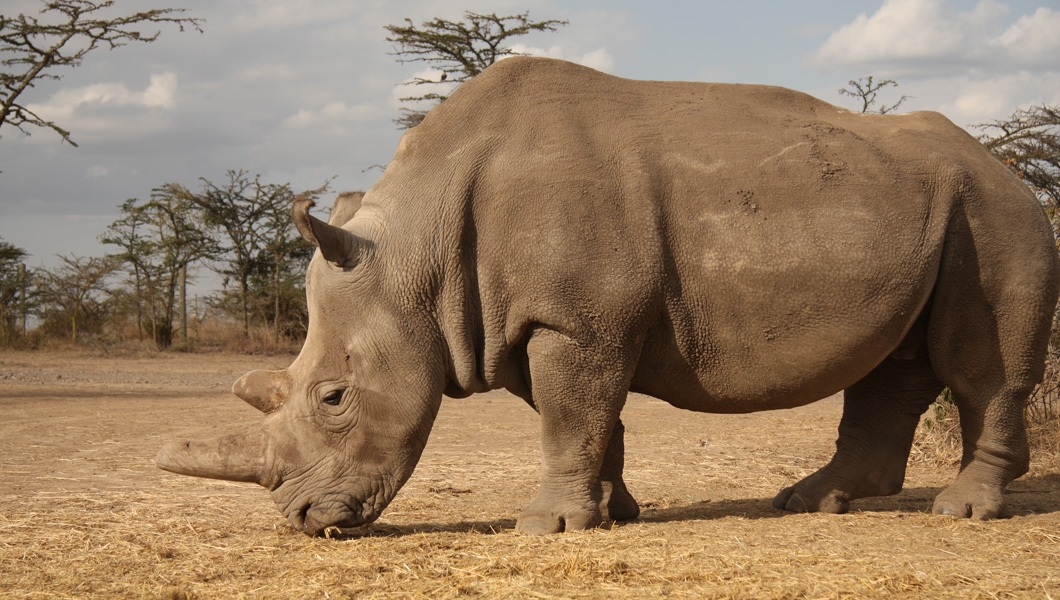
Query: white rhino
[{"x": 572, "y": 236}]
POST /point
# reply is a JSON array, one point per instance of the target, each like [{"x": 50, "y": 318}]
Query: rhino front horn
[
  {"x": 339, "y": 247},
  {"x": 237, "y": 457}
]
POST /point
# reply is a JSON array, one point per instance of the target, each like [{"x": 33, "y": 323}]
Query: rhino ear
[
  {"x": 339, "y": 247},
  {"x": 346, "y": 205}
]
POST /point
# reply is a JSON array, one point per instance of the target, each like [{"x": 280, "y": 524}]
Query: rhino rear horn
[
  {"x": 339, "y": 247},
  {"x": 238, "y": 457},
  {"x": 264, "y": 390},
  {"x": 346, "y": 206}
]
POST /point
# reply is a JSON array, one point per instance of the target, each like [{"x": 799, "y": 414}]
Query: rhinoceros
[{"x": 571, "y": 237}]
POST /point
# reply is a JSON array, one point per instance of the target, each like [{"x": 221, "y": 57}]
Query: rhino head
[{"x": 346, "y": 423}]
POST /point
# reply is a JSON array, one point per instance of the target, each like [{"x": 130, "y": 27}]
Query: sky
[{"x": 299, "y": 91}]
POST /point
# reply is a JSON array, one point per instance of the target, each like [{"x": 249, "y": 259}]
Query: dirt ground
[{"x": 84, "y": 513}]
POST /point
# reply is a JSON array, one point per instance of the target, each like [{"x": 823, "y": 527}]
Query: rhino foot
[
  {"x": 978, "y": 501},
  {"x": 538, "y": 524},
  {"x": 618, "y": 504},
  {"x": 803, "y": 500},
  {"x": 542, "y": 518}
]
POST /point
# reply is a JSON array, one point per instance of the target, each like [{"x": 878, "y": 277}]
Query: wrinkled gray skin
[{"x": 571, "y": 237}]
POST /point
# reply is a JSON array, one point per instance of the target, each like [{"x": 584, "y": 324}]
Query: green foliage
[
  {"x": 259, "y": 250},
  {"x": 866, "y": 90},
  {"x": 241, "y": 228},
  {"x": 74, "y": 293},
  {"x": 459, "y": 49},
  {"x": 1029, "y": 143},
  {"x": 158, "y": 239},
  {"x": 65, "y": 31},
  {"x": 11, "y": 286}
]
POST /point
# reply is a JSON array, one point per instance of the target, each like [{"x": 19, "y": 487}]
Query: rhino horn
[
  {"x": 346, "y": 206},
  {"x": 264, "y": 390},
  {"x": 236, "y": 457},
  {"x": 339, "y": 247}
]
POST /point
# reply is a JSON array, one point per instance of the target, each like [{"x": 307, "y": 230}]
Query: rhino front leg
[
  {"x": 579, "y": 392},
  {"x": 616, "y": 503}
]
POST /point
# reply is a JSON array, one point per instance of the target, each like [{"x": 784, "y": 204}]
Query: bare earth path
[{"x": 85, "y": 514}]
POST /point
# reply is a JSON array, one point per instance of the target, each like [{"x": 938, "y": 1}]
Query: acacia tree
[
  {"x": 130, "y": 233},
  {"x": 233, "y": 208},
  {"x": 866, "y": 90},
  {"x": 34, "y": 47},
  {"x": 280, "y": 273},
  {"x": 160, "y": 238},
  {"x": 1029, "y": 142},
  {"x": 12, "y": 284},
  {"x": 253, "y": 223},
  {"x": 77, "y": 285},
  {"x": 459, "y": 49}
]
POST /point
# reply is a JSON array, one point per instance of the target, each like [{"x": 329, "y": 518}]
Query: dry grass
[
  {"x": 938, "y": 439},
  {"x": 84, "y": 514},
  {"x": 146, "y": 545}
]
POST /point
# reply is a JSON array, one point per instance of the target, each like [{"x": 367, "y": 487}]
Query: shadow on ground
[
  {"x": 385, "y": 530},
  {"x": 1039, "y": 494}
]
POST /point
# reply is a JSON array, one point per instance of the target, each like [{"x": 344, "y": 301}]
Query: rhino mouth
[{"x": 314, "y": 518}]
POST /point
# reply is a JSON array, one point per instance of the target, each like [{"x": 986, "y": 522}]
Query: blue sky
[{"x": 299, "y": 91}]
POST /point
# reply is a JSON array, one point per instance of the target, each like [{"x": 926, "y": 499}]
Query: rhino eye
[{"x": 333, "y": 398}]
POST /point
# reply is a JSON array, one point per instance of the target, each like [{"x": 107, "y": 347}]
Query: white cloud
[
  {"x": 972, "y": 101},
  {"x": 924, "y": 37},
  {"x": 267, "y": 72},
  {"x": 599, "y": 59},
  {"x": 160, "y": 93},
  {"x": 974, "y": 66},
  {"x": 1033, "y": 38},
  {"x": 111, "y": 111},
  {"x": 334, "y": 114},
  {"x": 97, "y": 171},
  {"x": 899, "y": 29},
  {"x": 283, "y": 14}
]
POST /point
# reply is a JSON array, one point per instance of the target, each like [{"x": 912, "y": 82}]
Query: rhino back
[{"x": 755, "y": 245}]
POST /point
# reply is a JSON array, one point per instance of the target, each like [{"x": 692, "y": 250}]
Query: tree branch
[{"x": 40, "y": 46}]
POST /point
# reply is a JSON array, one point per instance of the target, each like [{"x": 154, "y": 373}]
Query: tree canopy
[
  {"x": 11, "y": 284},
  {"x": 33, "y": 48},
  {"x": 865, "y": 89},
  {"x": 1029, "y": 142},
  {"x": 459, "y": 49}
]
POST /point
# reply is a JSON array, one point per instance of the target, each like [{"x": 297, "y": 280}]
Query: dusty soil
[{"x": 85, "y": 514}]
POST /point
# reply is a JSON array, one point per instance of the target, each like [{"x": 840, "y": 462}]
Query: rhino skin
[{"x": 572, "y": 236}]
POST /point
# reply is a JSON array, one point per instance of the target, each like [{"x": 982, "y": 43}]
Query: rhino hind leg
[
  {"x": 990, "y": 385},
  {"x": 880, "y": 416},
  {"x": 994, "y": 440},
  {"x": 989, "y": 328}
]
